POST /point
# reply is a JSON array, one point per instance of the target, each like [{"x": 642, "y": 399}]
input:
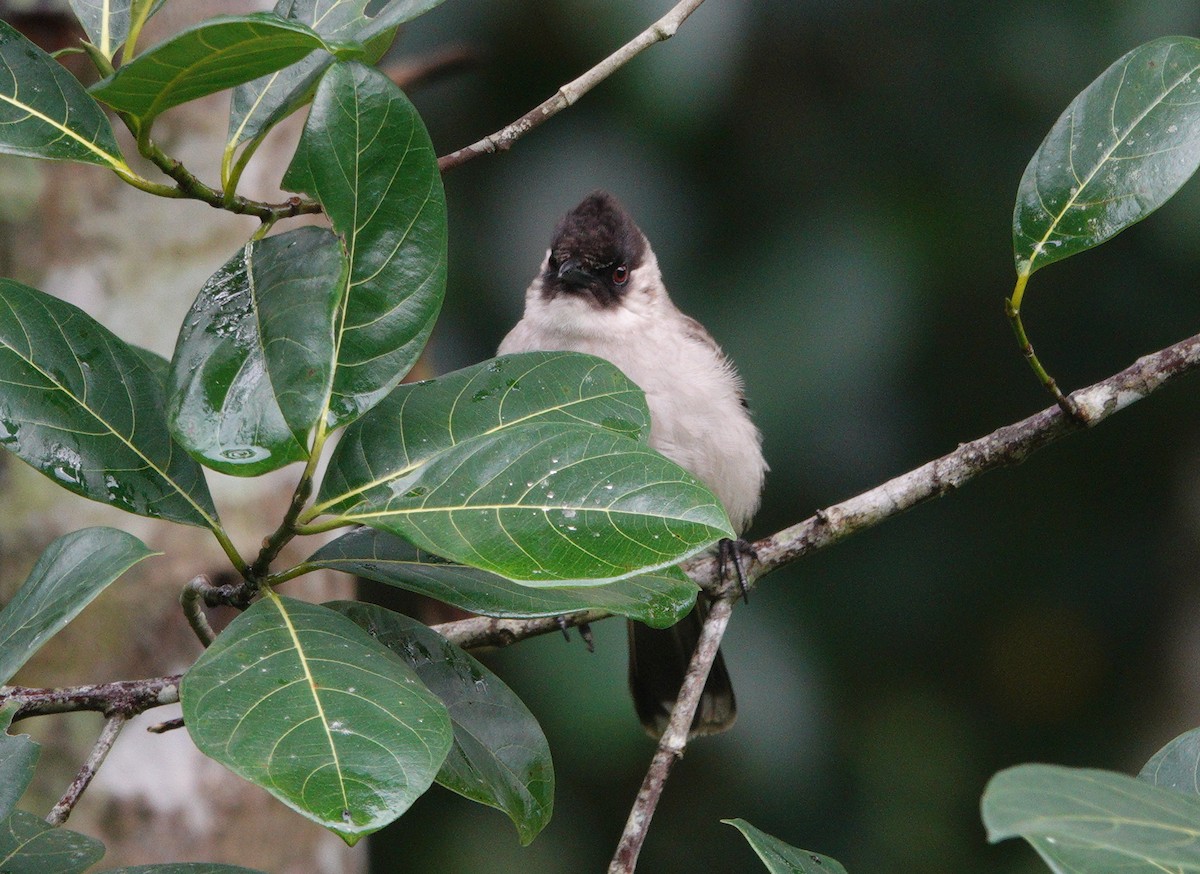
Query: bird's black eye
[
  {"x": 553, "y": 263},
  {"x": 620, "y": 274}
]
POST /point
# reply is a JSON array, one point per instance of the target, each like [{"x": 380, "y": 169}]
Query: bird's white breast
[{"x": 697, "y": 416}]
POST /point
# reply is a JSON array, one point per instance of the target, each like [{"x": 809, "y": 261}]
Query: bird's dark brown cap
[{"x": 596, "y": 245}]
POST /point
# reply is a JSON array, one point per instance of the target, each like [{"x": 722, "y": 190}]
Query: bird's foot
[
  {"x": 734, "y": 553},
  {"x": 585, "y": 632}
]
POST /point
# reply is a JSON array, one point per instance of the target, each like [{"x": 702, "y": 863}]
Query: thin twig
[
  {"x": 108, "y": 736},
  {"x": 674, "y": 740},
  {"x": 503, "y": 139}
]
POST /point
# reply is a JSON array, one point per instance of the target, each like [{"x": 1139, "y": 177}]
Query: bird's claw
[
  {"x": 732, "y": 552},
  {"x": 585, "y": 632}
]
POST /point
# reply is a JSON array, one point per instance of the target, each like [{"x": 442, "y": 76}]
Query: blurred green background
[{"x": 829, "y": 188}]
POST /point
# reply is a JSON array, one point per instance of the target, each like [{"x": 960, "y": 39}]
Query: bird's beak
[{"x": 572, "y": 272}]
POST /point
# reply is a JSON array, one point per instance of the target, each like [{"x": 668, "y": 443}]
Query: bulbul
[{"x": 599, "y": 291}]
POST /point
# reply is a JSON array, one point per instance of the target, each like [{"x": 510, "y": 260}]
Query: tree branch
[
  {"x": 488, "y": 631},
  {"x": 503, "y": 139},
  {"x": 108, "y": 736},
  {"x": 1006, "y": 446},
  {"x": 124, "y": 697},
  {"x": 674, "y": 740}
]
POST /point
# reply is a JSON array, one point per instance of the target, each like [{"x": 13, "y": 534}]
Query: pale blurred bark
[{"x": 135, "y": 262}]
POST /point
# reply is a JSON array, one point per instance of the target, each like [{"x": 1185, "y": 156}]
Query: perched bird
[{"x": 599, "y": 291}]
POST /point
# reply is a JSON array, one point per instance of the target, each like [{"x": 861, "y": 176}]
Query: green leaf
[
  {"x": 1118, "y": 152},
  {"x": 106, "y": 22},
  {"x": 500, "y": 756},
  {"x": 301, "y": 701},
  {"x": 435, "y": 415},
  {"x": 30, "y": 845},
  {"x": 659, "y": 599},
  {"x": 545, "y": 503},
  {"x": 18, "y": 758},
  {"x": 781, "y": 858},
  {"x": 44, "y": 111},
  {"x": 254, "y": 360},
  {"x": 524, "y": 466},
  {"x": 432, "y": 416},
  {"x": 72, "y": 571},
  {"x": 1177, "y": 765},
  {"x": 159, "y": 367},
  {"x": 1088, "y": 820},
  {"x": 365, "y": 155},
  {"x": 259, "y": 105},
  {"x": 184, "y": 868},
  {"x": 217, "y": 54},
  {"x": 83, "y": 408}
]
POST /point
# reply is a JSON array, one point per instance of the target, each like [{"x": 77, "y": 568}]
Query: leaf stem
[
  {"x": 291, "y": 573},
  {"x": 101, "y": 61},
  {"x": 321, "y": 527},
  {"x": 230, "y": 550},
  {"x": 231, "y": 171},
  {"x": 259, "y": 572},
  {"x": 127, "y": 174},
  {"x": 1012, "y": 308},
  {"x": 138, "y": 13},
  {"x": 191, "y": 186},
  {"x": 190, "y": 600}
]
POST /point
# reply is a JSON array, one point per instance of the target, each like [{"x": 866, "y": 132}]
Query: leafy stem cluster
[{"x": 453, "y": 487}]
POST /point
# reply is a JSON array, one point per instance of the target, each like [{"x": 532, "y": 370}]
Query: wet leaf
[
  {"x": 254, "y": 359},
  {"x": 420, "y": 420},
  {"x": 301, "y": 701},
  {"x": 107, "y": 22},
  {"x": 84, "y": 408},
  {"x": 500, "y": 756},
  {"x": 545, "y": 503},
  {"x": 72, "y": 571},
  {"x": 659, "y": 599},
  {"x": 365, "y": 155},
  {"x": 511, "y": 467},
  {"x": 260, "y": 104},
  {"x": 1118, "y": 152},
  {"x": 1177, "y": 765},
  {"x": 44, "y": 111},
  {"x": 217, "y": 54}
]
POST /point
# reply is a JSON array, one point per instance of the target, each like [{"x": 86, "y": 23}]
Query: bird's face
[{"x": 597, "y": 248}]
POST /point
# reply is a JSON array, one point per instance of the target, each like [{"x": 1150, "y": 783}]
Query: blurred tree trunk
[{"x": 135, "y": 262}]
